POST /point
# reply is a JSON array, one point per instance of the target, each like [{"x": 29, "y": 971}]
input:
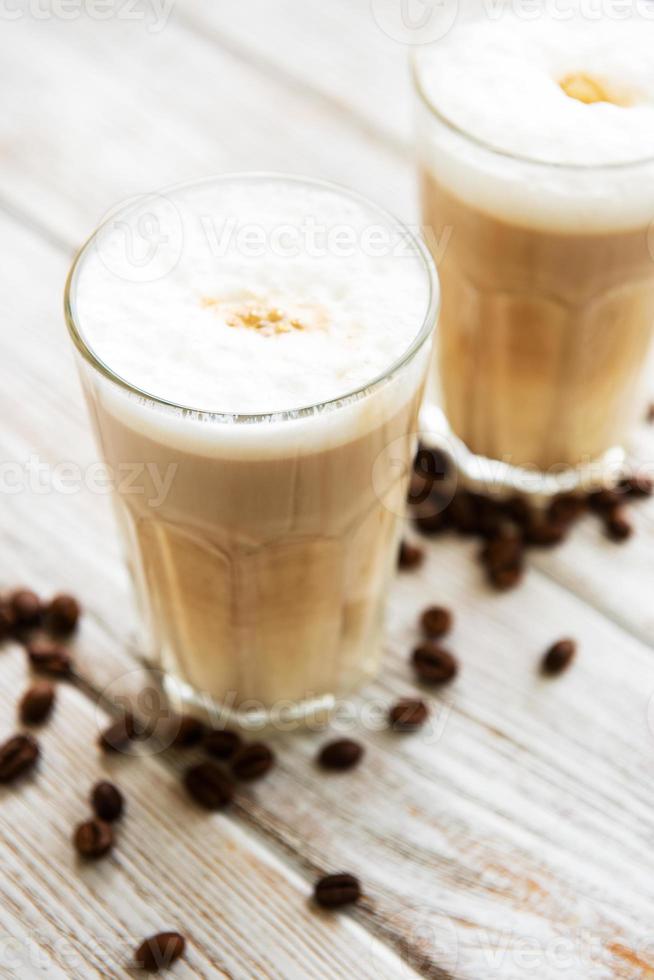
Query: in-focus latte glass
[
  {"x": 536, "y": 154},
  {"x": 253, "y": 350}
]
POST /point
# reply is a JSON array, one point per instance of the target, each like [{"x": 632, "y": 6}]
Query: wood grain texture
[{"x": 512, "y": 838}]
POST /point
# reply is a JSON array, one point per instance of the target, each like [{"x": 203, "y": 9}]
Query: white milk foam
[
  {"x": 346, "y": 303},
  {"x": 497, "y": 78}
]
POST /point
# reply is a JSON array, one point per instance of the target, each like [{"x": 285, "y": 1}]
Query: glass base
[
  {"x": 312, "y": 713},
  {"x": 492, "y": 477}
]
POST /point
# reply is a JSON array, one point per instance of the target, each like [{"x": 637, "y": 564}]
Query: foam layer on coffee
[
  {"x": 577, "y": 93},
  {"x": 268, "y": 296}
]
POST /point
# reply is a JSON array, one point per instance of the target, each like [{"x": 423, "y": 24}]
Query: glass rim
[
  {"x": 497, "y": 151},
  {"x": 85, "y": 349}
]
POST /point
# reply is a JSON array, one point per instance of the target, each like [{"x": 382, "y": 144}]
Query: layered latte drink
[
  {"x": 536, "y": 142},
  {"x": 262, "y": 379}
]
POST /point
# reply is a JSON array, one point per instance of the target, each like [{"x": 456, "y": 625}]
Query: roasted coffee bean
[
  {"x": 17, "y": 756},
  {"x": 410, "y": 556},
  {"x": 36, "y": 703},
  {"x": 209, "y": 786},
  {"x": 93, "y": 839},
  {"x": 504, "y": 550},
  {"x": 430, "y": 518},
  {"x": 559, "y": 657},
  {"x": 186, "y": 731},
  {"x": 433, "y": 665},
  {"x": 566, "y": 509},
  {"x": 7, "y": 620},
  {"x": 337, "y": 890},
  {"x": 107, "y": 802},
  {"x": 420, "y": 488},
  {"x": 47, "y": 657},
  {"x": 506, "y": 578},
  {"x": 462, "y": 513},
  {"x": 62, "y": 614},
  {"x": 408, "y": 715},
  {"x": 222, "y": 743},
  {"x": 252, "y": 762},
  {"x": 618, "y": 526},
  {"x": 436, "y": 621},
  {"x": 638, "y": 485},
  {"x": 602, "y": 501},
  {"x": 545, "y": 533},
  {"x": 342, "y": 754},
  {"x": 519, "y": 510},
  {"x": 118, "y": 736},
  {"x": 159, "y": 952},
  {"x": 27, "y": 608}
]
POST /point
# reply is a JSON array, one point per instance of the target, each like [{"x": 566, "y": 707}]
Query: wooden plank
[
  {"x": 244, "y": 913},
  {"x": 522, "y": 817}
]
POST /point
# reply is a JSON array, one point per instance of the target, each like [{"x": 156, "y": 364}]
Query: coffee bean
[
  {"x": 159, "y": 952},
  {"x": 429, "y": 518},
  {"x": 36, "y": 703},
  {"x": 545, "y": 533},
  {"x": 638, "y": 485},
  {"x": 504, "y": 550},
  {"x": 618, "y": 526},
  {"x": 26, "y": 607},
  {"x": 337, "y": 890},
  {"x": 118, "y": 736},
  {"x": 209, "y": 786},
  {"x": 62, "y": 614},
  {"x": 93, "y": 839},
  {"x": 186, "y": 731},
  {"x": 433, "y": 665},
  {"x": 17, "y": 756},
  {"x": 47, "y": 657},
  {"x": 602, "y": 501},
  {"x": 566, "y": 509},
  {"x": 408, "y": 715},
  {"x": 252, "y": 762},
  {"x": 7, "y": 620},
  {"x": 410, "y": 556},
  {"x": 462, "y": 513},
  {"x": 436, "y": 621},
  {"x": 107, "y": 802},
  {"x": 342, "y": 754},
  {"x": 506, "y": 578},
  {"x": 559, "y": 657},
  {"x": 222, "y": 743}
]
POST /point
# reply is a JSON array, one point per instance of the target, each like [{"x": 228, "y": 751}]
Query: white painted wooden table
[{"x": 515, "y": 838}]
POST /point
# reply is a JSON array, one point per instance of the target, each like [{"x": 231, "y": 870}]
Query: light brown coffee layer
[
  {"x": 264, "y": 581},
  {"x": 544, "y": 337}
]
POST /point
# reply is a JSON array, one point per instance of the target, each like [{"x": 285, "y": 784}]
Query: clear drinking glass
[
  {"x": 262, "y": 571},
  {"x": 540, "y": 370}
]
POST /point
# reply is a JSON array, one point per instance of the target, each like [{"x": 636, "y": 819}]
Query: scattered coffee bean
[
  {"x": 545, "y": 533},
  {"x": 408, "y": 715},
  {"x": 7, "y": 620},
  {"x": 433, "y": 665},
  {"x": 559, "y": 657},
  {"x": 107, "y": 802},
  {"x": 118, "y": 736},
  {"x": 602, "y": 501},
  {"x": 36, "y": 703},
  {"x": 17, "y": 756},
  {"x": 618, "y": 526},
  {"x": 186, "y": 731},
  {"x": 93, "y": 839},
  {"x": 159, "y": 952},
  {"x": 342, "y": 754},
  {"x": 638, "y": 485},
  {"x": 504, "y": 579},
  {"x": 222, "y": 743},
  {"x": 62, "y": 614},
  {"x": 436, "y": 621},
  {"x": 410, "y": 556},
  {"x": 335, "y": 891},
  {"x": 47, "y": 657},
  {"x": 252, "y": 762},
  {"x": 429, "y": 518},
  {"x": 566, "y": 509},
  {"x": 209, "y": 786},
  {"x": 27, "y": 608}
]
